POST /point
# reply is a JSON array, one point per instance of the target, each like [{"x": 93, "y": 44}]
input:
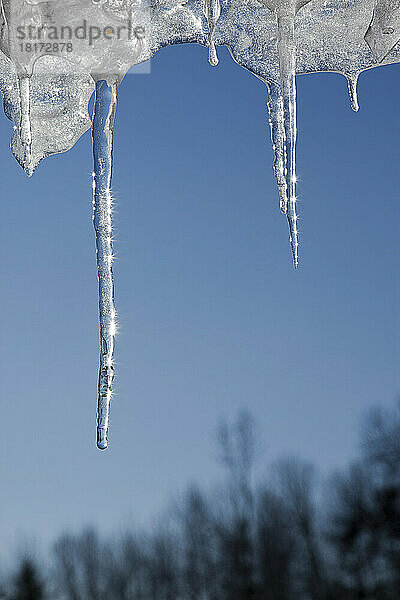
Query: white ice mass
[{"x": 55, "y": 54}]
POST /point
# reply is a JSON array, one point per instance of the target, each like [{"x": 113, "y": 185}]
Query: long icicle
[
  {"x": 287, "y": 68},
  {"x": 103, "y": 120}
]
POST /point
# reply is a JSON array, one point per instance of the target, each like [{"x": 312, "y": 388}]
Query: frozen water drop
[{"x": 103, "y": 120}]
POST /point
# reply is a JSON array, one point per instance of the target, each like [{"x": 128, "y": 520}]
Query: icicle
[
  {"x": 25, "y": 128},
  {"x": 275, "y": 109},
  {"x": 285, "y": 12},
  {"x": 212, "y": 11},
  {"x": 352, "y": 81},
  {"x": 287, "y": 69},
  {"x": 103, "y": 119}
]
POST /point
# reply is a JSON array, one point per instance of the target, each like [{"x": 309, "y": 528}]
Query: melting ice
[{"x": 54, "y": 55}]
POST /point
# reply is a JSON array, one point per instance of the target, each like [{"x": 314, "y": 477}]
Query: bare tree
[
  {"x": 81, "y": 566},
  {"x": 237, "y": 447},
  {"x": 296, "y": 483},
  {"x": 199, "y": 552},
  {"x": 275, "y": 548},
  {"x": 365, "y": 526},
  {"x": 235, "y": 522},
  {"x": 163, "y": 580},
  {"x": 28, "y": 582},
  {"x": 126, "y": 568}
]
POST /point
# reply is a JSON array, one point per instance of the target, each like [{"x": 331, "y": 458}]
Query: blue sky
[{"x": 212, "y": 316}]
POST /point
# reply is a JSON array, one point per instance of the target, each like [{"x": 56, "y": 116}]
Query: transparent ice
[{"x": 46, "y": 89}]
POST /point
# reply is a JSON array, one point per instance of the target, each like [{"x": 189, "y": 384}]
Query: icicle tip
[
  {"x": 213, "y": 56},
  {"x": 102, "y": 441}
]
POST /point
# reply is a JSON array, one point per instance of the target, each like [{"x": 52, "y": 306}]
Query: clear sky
[{"x": 212, "y": 316}]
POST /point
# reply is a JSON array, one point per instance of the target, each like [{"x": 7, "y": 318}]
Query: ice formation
[{"x": 54, "y": 55}]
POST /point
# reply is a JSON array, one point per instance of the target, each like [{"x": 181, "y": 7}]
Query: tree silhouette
[
  {"x": 271, "y": 539},
  {"x": 28, "y": 583},
  {"x": 365, "y": 528}
]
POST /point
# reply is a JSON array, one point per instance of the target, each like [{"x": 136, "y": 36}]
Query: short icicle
[
  {"x": 275, "y": 110},
  {"x": 212, "y": 11},
  {"x": 25, "y": 127},
  {"x": 103, "y": 119},
  {"x": 352, "y": 81}
]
